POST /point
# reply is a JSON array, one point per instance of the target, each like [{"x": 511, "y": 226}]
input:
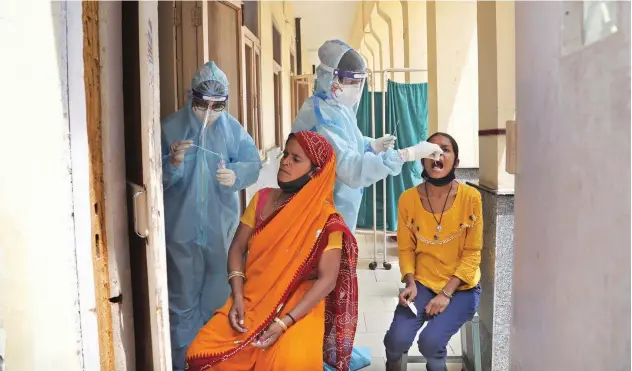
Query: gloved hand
[
  {"x": 384, "y": 143},
  {"x": 421, "y": 150},
  {"x": 226, "y": 177},
  {"x": 177, "y": 150}
]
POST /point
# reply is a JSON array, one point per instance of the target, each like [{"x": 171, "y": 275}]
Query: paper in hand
[{"x": 412, "y": 307}]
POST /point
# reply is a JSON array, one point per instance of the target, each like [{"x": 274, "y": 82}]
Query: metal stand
[
  {"x": 386, "y": 265},
  {"x": 470, "y": 362}
]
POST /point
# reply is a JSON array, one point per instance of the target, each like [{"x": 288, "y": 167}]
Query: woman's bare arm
[
  {"x": 236, "y": 254},
  {"x": 328, "y": 269}
]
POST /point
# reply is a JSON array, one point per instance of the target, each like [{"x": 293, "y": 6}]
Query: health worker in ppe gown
[
  {"x": 331, "y": 112},
  {"x": 207, "y": 158}
]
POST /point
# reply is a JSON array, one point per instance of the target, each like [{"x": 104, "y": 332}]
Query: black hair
[
  {"x": 455, "y": 146},
  {"x": 351, "y": 61},
  {"x": 291, "y": 136}
]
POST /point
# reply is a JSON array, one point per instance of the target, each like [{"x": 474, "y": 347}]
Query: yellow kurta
[
  {"x": 249, "y": 218},
  {"x": 456, "y": 252}
]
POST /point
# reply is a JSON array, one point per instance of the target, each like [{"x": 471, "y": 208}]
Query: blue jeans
[{"x": 434, "y": 339}]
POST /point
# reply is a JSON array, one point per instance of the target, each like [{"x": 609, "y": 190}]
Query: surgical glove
[
  {"x": 384, "y": 143},
  {"x": 421, "y": 150},
  {"x": 177, "y": 150},
  {"x": 226, "y": 177}
]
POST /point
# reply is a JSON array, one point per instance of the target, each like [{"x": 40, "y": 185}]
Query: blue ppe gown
[
  {"x": 357, "y": 166},
  {"x": 201, "y": 217}
]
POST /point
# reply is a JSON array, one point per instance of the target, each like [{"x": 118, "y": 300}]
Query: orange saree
[{"x": 283, "y": 253}]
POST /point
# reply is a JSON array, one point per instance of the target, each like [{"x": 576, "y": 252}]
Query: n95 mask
[{"x": 350, "y": 95}]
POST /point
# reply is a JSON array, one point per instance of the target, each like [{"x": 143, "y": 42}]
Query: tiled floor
[{"x": 377, "y": 301}]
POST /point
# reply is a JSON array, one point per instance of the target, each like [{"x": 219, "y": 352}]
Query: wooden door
[
  {"x": 152, "y": 180},
  {"x": 224, "y": 22},
  {"x": 192, "y": 44},
  {"x": 181, "y": 51},
  {"x": 141, "y": 91}
]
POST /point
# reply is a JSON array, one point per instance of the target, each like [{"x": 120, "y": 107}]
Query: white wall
[
  {"x": 571, "y": 282},
  {"x": 39, "y": 294},
  {"x": 453, "y": 75},
  {"x": 339, "y": 17}
]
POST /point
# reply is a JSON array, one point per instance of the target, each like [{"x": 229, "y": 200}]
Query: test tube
[{"x": 222, "y": 163}]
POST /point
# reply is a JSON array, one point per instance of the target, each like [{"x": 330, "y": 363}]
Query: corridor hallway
[{"x": 536, "y": 93}]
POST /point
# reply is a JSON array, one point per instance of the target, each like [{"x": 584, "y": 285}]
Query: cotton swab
[
  {"x": 206, "y": 150},
  {"x": 395, "y": 130}
]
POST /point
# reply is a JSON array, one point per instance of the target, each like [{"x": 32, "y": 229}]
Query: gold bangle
[
  {"x": 281, "y": 323},
  {"x": 234, "y": 274}
]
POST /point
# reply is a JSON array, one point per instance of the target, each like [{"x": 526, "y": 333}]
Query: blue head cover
[
  {"x": 335, "y": 54},
  {"x": 210, "y": 81}
]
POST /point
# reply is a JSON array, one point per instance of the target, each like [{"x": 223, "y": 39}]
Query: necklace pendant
[
  {"x": 439, "y": 228},
  {"x": 436, "y": 237}
]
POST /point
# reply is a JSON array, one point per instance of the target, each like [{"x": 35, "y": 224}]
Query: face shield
[
  {"x": 347, "y": 87},
  {"x": 208, "y": 108}
]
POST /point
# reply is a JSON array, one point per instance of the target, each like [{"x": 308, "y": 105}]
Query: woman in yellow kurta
[
  {"x": 291, "y": 267},
  {"x": 439, "y": 236}
]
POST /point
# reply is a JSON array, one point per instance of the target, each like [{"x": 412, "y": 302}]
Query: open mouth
[{"x": 437, "y": 165}]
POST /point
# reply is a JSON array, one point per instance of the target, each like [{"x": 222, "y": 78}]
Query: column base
[
  {"x": 496, "y": 276},
  {"x": 465, "y": 175}
]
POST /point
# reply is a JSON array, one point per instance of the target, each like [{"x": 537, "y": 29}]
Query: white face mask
[
  {"x": 350, "y": 95},
  {"x": 212, "y": 116}
]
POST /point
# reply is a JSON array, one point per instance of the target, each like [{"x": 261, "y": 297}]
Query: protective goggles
[
  {"x": 203, "y": 102},
  {"x": 347, "y": 77}
]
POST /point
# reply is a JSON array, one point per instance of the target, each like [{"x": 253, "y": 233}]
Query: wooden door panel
[
  {"x": 192, "y": 56},
  {"x": 224, "y": 45},
  {"x": 152, "y": 180}
]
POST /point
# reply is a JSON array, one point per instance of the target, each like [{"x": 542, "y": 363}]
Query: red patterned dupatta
[{"x": 341, "y": 311}]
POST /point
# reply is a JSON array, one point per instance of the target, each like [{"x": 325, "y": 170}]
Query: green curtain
[{"x": 408, "y": 105}]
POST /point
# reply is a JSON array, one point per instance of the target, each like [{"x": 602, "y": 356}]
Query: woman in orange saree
[{"x": 294, "y": 305}]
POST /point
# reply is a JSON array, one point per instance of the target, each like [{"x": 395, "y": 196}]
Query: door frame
[
  {"x": 94, "y": 128},
  {"x": 295, "y": 84},
  {"x": 80, "y": 157},
  {"x": 249, "y": 39},
  {"x": 278, "y": 105}
]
